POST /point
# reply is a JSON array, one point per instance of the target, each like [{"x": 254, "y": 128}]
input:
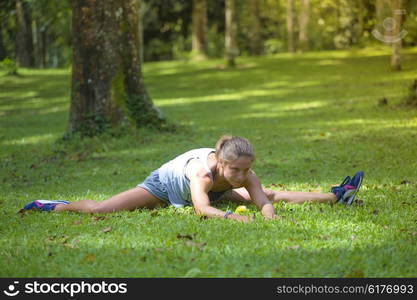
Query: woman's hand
[{"x": 244, "y": 219}]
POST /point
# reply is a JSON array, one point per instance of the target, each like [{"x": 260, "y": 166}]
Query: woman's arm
[
  {"x": 200, "y": 185},
  {"x": 254, "y": 188}
]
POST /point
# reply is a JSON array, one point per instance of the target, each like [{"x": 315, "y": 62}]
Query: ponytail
[{"x": 230, "y": 148}]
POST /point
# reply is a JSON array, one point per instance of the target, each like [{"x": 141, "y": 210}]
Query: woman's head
[{"x": 235, "y": 155}]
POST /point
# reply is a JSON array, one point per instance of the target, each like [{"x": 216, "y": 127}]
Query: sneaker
[
  {"x": 356, "y": 183},
  {"x": 43, "y": 205},
  {"x": 337, "y": 189},
  {"x": 346, "y": 192}
]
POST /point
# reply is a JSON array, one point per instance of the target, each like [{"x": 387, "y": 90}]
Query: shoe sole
[{"x": 349, "y": 201}]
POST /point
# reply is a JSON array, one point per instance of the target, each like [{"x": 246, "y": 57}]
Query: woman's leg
[
  {"x": 242, "y": 195},
  {"x": 128, "y": 200}
]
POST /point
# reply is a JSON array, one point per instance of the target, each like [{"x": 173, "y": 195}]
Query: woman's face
[{"x": 236, "y": 171}]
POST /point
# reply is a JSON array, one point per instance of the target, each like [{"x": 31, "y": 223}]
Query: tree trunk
[
  {"x": 361, "y": 11},
  {"x": 231, "y": 32},
  {"x": 24, "y": 40},
  {"x": 255, "y": 34},
  {"x": 303, "y": 34},
  {"x": 199, "y": 36},
  {"x": 290, "y": 26},
  {"x": 43, "y": 47},
  {"x": 38, "y": 44},
  {"x": 107, "y": 83},
  {"x": 3, "y": 53},
  {"x": 142, "y": 11},
  {"x": 396, "y": 35},
  {"x": 383, "y": 13}
]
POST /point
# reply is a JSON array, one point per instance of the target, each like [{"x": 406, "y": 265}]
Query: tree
[
  {"x": 290, "y": 25},
  {"x": 230, "y": 33},
  {"x": 396, "y": 35},
  {"x": 142, "y": 11},
  {"x": 255, "y": 32},
  {"x": 24, "y": 40},
  {"x": 382, "y": 12},
  {"x": 199, "y": 34},
  {"x": 303, "y": 34},
  {"x": 3, "y": 52},
  {"x": 107, "y": 83},
  {"x": 51, "y": 33}
]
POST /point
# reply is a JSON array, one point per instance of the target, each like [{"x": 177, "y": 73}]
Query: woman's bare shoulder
[{"x": 196, "y": 169}]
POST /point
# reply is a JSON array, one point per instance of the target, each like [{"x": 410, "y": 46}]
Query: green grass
[{"x": 312, "y": 119}]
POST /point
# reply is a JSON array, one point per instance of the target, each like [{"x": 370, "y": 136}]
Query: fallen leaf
[
  {"x": 89, "y": 258},
  {"x": 295, "y": 247},
  {"x": 185, "y": 236},
  {"x": 76, "y": 222},
  {"x": 98, "y": 218},
  {"x": 107, "y": 229},
  {"x": 414, "y": 233},
  {"x": 23, "y": 212},
  {"x": 50, "y": 238},
  {"x": 356, "y": 274},
  {"x": 359, "y": 202},
  {"x": 64, "y": 239}
]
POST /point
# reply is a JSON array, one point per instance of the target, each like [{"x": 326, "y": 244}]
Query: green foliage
[
  {"x": 137, "y": 108},
  {"x": 166, "y": 28},
  {"x": 91, "y": 125},
  {"x": 312, "y": 119},
  {"x": 273, "y": 46},
  {"x": 10, "y": 66},
  {"x": 341, "y": 24}
]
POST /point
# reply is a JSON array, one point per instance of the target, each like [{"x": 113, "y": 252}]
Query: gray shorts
[{"x": 154, "y": 186}]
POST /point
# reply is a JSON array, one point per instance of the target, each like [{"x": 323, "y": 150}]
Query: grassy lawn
[{"x": 313, "y": 119}]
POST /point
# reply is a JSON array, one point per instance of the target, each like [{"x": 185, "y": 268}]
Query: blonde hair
[{"x": 230, "y": 148}]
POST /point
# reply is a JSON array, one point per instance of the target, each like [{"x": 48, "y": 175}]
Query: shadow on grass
[{"x": 139, "y": 244}]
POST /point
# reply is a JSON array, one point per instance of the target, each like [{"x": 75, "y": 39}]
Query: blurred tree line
[{"x": 37, "y": 33}]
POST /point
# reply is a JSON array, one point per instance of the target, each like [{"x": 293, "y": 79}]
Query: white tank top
[{"x": 172, "y": 174}]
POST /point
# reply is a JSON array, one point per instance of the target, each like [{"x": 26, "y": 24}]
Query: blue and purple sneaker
[
  {"x": 347, "y": 190},
  {"x": 43, "y": 205}
]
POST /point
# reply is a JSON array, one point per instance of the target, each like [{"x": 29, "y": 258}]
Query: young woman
[{"x": 202, "y": 176}]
